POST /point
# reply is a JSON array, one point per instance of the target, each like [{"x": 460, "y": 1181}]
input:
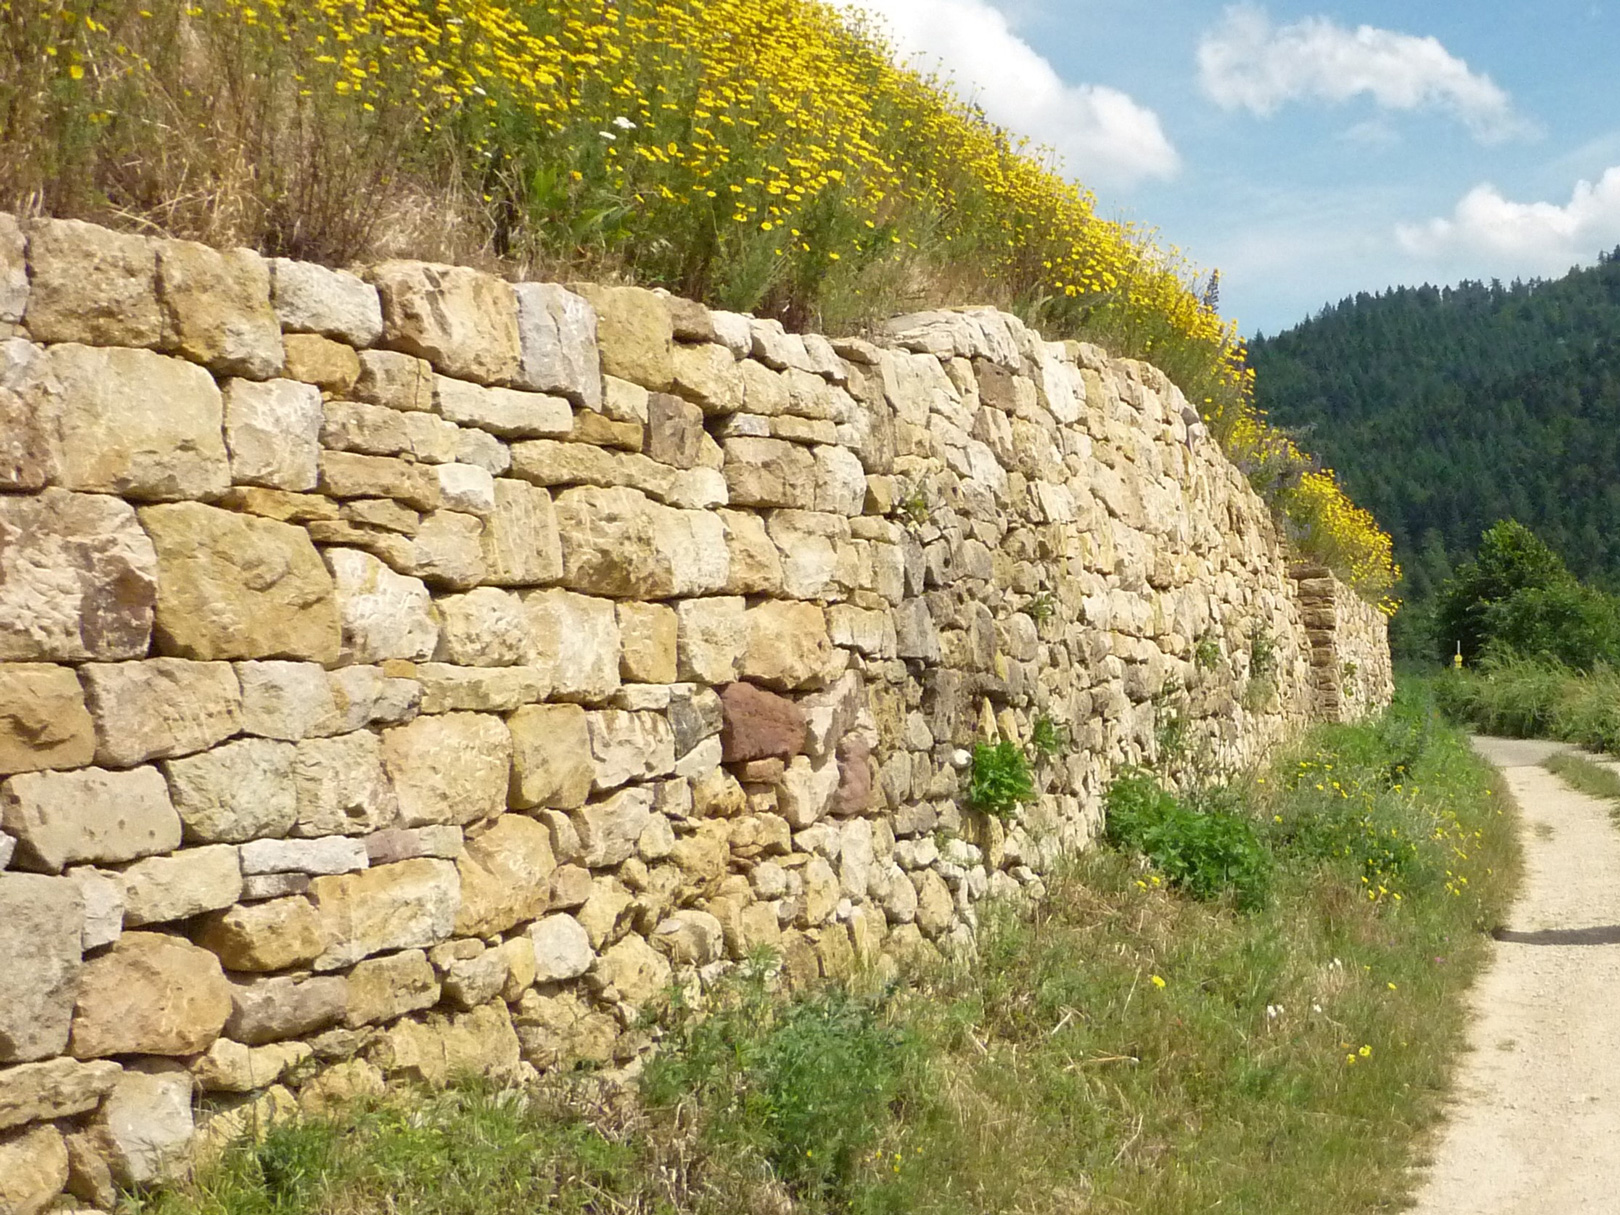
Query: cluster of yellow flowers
[{"x": 759, "y": 154}]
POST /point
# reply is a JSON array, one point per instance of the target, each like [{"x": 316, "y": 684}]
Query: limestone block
[
  {"x": 461, "y": 321},
  {"x": 619, "y": 543},
  {"x": 40, "y": 922},
  {"x": 90, "y": 285},
  {"x": 563, "y": 1029},
  {"x": 562, "y": 949},
  {"x": 466, "y": 488},
  {"x": 273, "y": 432},
  {"x": 236, "y": 586},
  {"x": 709, "y": 376},
  {"x": 364, "y": 696},
  {"x": 633, "y": 970},
  {"x": 143, "y": 1129},
  {"x": 700, "y": 760},
  {"x": 447, "y": 550},
  {"x": 394, "y": 380},
  {"x": 506, "y": 412},
  {"x": 505, "y": 874},
  {"x": 27, "y": 454},
  {"x": 62, "y": 818},
  {"x": 634, "y": 333},
  {"x": 855, "y": 858},
  {"x": 312, "y": 299},
  {"x": 521, "y": 545},
  {"x": 840, "y": 481},
  {"x": 134, "y": 423},
  {"x": 629, "y": 746},
  {"x": 447, "y": 688},
  {"x": 713, "y": 638},
  {"x": 818, "y": 560},
  {"x": 570, "y": 884},
  {"x": 647, "y": 643},
  {"x": 483, "y": 628},
  {"x": 384, "y": 615},
  {"x": 690, "y": 938},
  {"x": 181, "y": 885},
  {"x": 408, "y": 905},
  {"x": 373, "y": 430},
  {"x": 437, "y": 1050},
  {"x": 286, "y": 700},
  {"x": 448, "y": 767},
  {"x": 759, "y": 724},
  {"x": 328, "y": 365},
  {"x": 788, "y": 646},
  {"x": 233, "y": 1067},
  {"x": 273, "y": 935},
  {"x": 916, "y": 635},
  {"x": 408, "y": 843},
  {"x": 806, "y": 790},
  {"x": 435, "y": 441},
  {"x": 272, "y": 1009},
  {"x": 870, "y": 632},
  {"x": 577, "y": 639},
  {"x": 103, "y": 893},
  {"x": 13, "y": 271},
  {"x": 935, "y": 909},
  {"x": 262, "y": 887},
  {"x": 78, "y": 578},
  {"x": 159, "y": 708},
  {"x": 243, "y": 790},
  {"x": 386, "y": 988},
  {"x": 770, "y": 472},
  {"x": 557, "y": 336},
  {"x": 608, "y": 830},
  {"x": 56, "y": 1088},
  {"x": 43, "y": 720},
  {"x": 756, "y": 565},
  {"x": 33, "y": 1169},
  {"x": 821, "y": 892},
  {"x": 551, "y": 757},
  {"x": 674, "y": 431},
  {"x": 474, "y": 981},
  {"x": 149, "y": 994},
  {"x": 518, "y": 960},
  {"x": 216, "y": 308},
  {"x": 347, "y": 474},
  {"x": 341, "y": 787},
  {"x": 623, "y": 401}
]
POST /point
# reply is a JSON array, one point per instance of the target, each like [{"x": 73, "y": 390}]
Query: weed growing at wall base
[{"x": 1121, "y": 1046}]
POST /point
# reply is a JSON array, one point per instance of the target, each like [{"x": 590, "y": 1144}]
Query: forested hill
[{"x": 1446, "y": 409}]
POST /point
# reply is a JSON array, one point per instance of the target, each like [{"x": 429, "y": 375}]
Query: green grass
[
  {"x": 1126, "y": 1047},
  {"x": 1593, "y": 779},
  {"x": 1522, "y": 698}
]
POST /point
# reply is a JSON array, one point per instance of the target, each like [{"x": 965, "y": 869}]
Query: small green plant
[
  {"x": 1204, "y": 849},
  {"x": 1207, "y": 652},
  {"x": 1041, "y": 608},
  {"x": 1048, "y": 737},
  {"x": 913, "y": 504},
  {"x": 1000, "y": 781},
  {"x": 1262, "y": 653}
]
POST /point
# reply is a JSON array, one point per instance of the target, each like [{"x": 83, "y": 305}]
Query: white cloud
[
  {"x": 1249, "y": 63},
  {"x": 1104, "y": 136},
  {"x": 1537, "y": 238}
]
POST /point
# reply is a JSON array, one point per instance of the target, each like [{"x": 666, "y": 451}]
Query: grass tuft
[{"x": 1591, "y": 778}]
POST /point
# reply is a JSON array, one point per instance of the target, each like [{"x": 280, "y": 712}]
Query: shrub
[
  {"x": 1047, "y": 738},
  {"x": 1205, "y": 849},
  {"x": 1000, "y": 780}
]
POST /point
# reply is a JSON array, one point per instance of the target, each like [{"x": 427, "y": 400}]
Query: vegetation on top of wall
[
  {"x": 763, "y": 155},
  {"x": 1121, "y": 1046}
]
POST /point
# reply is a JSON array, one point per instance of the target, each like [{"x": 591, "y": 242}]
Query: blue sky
[{"x": 1312, "y": 150}]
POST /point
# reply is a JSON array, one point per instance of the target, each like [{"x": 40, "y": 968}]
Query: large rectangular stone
[
  {"x": 621, "y": 544},
  {"x": 407, "y": 905},
  {"x": 506, "y": 412},
  {"x": 43, "y": 721},
  {"x": 40, "y": 923},
  {"x": 521, "y": 545},
  {"x": 327, "y": 855},
  {"x": 347, "y": 474},
  {"x": 64, "y": 818},
  {"x": 78, "y": 578},
  {"x": 89, "y": 284},
  {"x": 285, "y": 1006},
  {"x": 181, "y": 885},
  {"x": 159, "y": 708},
  {"x": 462, "y": 321},
  {"x": 341, "y": 786},
  {"x": 57, "y": 1088},
  {"x": 216, "y": 308},
  {"x": 448, "y": 768}
]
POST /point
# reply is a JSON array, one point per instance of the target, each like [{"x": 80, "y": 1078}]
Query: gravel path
[{"x": 1535, "y": 1128}]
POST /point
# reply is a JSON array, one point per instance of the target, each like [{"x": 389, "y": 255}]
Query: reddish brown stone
[
  {"x": 854, "y": 776},
  {"x": 759, "y": 724}
]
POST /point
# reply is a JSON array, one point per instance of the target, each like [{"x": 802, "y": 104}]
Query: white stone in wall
[
  {"x": 520, "y": 542},
  {"x": 467, "y": 488},
  {"x": 448, "y": 768},
  {"x": 364, "y": 696},
  {"x": 480, "y": 448},
  {"x": 562, "y": 949},
  {"x": 840, "y": 481},
  {"x": 273, "y": 431},
  {"x": 383, "y": 614},
  {"x": 505, "y": 412},
  {"x": 341, "y": 787},
  {"x": 817, "y": 558},
  {"x": 608, "y": 830},
  {"x": 103, "y": 893},
  {"x": 576, "y": 639},
  {"x": 557, "y": 334},
  {"x": 64, "y": 818},
  {"x": 143, "y": 1129},
  {"x": 629, "y": 746},
  {"x": 41, "y": 919},
  {"x": 806, "y": 790},
  {"x": 486, "y": 627},
  {"x": 13, "y": 271},
  {"x": 712, "y": 639},
  {"x": 285, "y": 700},
  {"x": 182, "y": 884},
  {"x": 313, "y": 299},
  {"x": 329, "y": 854}
]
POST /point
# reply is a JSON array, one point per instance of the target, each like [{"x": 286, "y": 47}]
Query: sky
[{"x": 1310, "y": 151}]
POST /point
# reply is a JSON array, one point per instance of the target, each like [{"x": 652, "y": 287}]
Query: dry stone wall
[{"x": 409, "y": 672}]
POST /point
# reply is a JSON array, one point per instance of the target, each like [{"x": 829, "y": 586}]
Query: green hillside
[{"x": 1446, "y": 409}]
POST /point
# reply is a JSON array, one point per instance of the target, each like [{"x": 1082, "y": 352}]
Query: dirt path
[{"x": 1536, "y": 1125}]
